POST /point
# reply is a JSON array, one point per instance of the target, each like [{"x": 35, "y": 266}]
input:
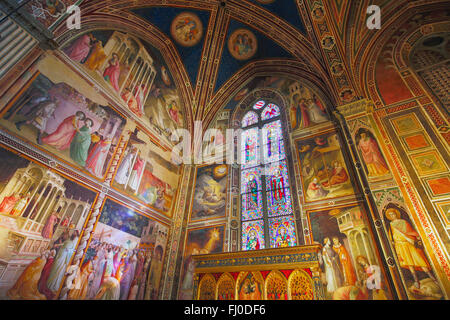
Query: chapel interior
[{"x": 224, "y": 150}]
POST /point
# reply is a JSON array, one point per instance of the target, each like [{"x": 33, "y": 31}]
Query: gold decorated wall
[{"x": 90, "y": 188}]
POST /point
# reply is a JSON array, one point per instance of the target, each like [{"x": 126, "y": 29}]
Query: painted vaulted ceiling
[{"x": 232, "y": 42}]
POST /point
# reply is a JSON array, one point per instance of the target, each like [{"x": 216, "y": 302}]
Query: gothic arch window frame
[{"x": 269, "y": 96}]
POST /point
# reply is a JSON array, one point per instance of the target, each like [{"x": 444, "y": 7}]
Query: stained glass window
[
  {"x": 249, "y": 119},
  {"x": 250, "y": 148},
  {"x": 259, "y": 105},
  {"x": 282, "y": 232},
  {"x": 266, "y": 205},
  {"x": 253, "y": 235},
  {"x": 271, "y": 111}
]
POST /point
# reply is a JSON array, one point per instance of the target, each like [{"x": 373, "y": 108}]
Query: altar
[{"x": 291, "y": 273}]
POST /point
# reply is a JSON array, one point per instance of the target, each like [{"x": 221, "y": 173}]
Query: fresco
[
  {"x": 418, "y": 276},
  {"x": 134, "y": 72},
  {"x": 351, "y": 269},
  {"x": 242, "y": 44},
  {"x": 147, "y": 174},
  {"x": 374, "y": 162},
  {"x": 187, "y": 29},
  {"x": 58, "y": 118},
  {"x": 48, "y": 12},
  {"x": 198, "y": 241},
  {"x": 41, "y": 217},
  {"x": 323, "y": 171},
  {"x": 210, "y": 192},
  {"x": 306, "y": 109},
  {"x": 124, "y": 258}
]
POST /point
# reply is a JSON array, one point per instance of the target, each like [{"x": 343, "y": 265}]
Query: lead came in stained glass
[
  {"x": 249, "y": 119},
  {"x": 253, "y": 235},
  {"x": 250, "y": 148},
  {"x": 273, "y": 142},
  {"x": 279, "y": 202},
  {"x": 265, "y": 194},
  {"x": 249, "y": 175},
  {"x": 259, "y": 105},
  {"x": 276, "y": 175},
  {"x": 269, "y": 112},
  {"x": 252, "y": 206},
  {"x": 282, "y": 232}
]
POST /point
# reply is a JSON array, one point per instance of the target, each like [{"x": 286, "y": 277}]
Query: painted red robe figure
[
  {"x": 47, "y": 232},
  {"x": 80, "y": 48},
  {"x": 8, "y": 203},
  {"x": 42, "y": 284},
  {"x": 345, "y": 261},
  {"x": 112, "y": 72},
  {"x": 338, "y": 175},
  {"x": 305, "y": 122},
  {"x": 317, "y": 101},
  {"x": 62, "y": 137},
  {"x": 376, "y": 166}
]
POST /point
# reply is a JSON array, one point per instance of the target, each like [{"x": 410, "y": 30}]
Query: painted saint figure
[
  {"x": 315, "y": 189},
  {"x": 112, "y": 72},
  {"x": 26, "y": 286},
  {"x": 47, "y": 232},
  {"x": 406, "y": 243},
  {"x": 124, "y": 168},
  {"x": 97, "y": 56},
  {"x": 330, "y": 261},
  {"x": 373, "y": 158},
  {"x": 20, "y": 205},
  {"x": 61, "y": 261},
  {"x": 345, "y": 261},
  {"x": 95, "y": 161},
  {"x": 80, "y": 48},
  {"x": 338, "y": 175},
  {"x": 39, "y": 117},
  {"x": 8, "y": 203}
]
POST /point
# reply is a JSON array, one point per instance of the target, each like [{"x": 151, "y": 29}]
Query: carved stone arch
[
  {"x": 256, "y": 282},
  {"x": 225, "y": 289},
  {"x": 206, "y": 287},
  {"x": 276, "y": 286},
  {"x": 300, "y": 286}
]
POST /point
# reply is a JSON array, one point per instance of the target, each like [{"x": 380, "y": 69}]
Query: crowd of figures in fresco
[
  {"x": 135, "y": 71},
  {"x": 41, "y": 217},
  {"x": 124, "y": 258},
  {"x": 350, "y": 265},
  {"x": 60, "y": 119}
]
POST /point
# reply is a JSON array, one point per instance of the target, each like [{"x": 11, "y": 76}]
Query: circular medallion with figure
[
  {"x": 242, "y": 44},
  {"x": 187, "y": 29}
]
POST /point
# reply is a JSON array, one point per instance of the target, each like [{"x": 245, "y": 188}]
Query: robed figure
[{"x": 376, "y": 166}]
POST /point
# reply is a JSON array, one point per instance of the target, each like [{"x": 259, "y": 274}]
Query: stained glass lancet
[{"x": 266, "y": 205}]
